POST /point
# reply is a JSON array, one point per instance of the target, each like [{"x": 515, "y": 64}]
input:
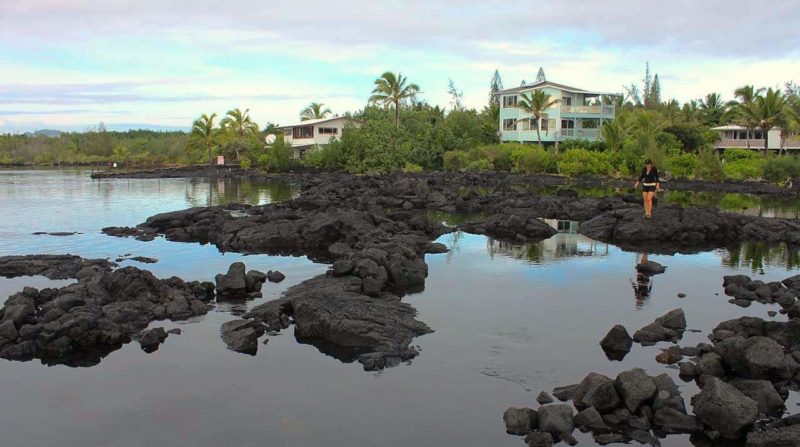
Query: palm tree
[
  {"x": 240, "y": 122},
  {"x": 204, "y": 132},
  {"x": 392, "y": 89},
  {"x": 747, "y": 96},
  {"x": 767, "y": 111},
  {"x": 314, "y": 111},
  {"x": 690, "y": 111},
  {"x": 713, "y": 108},
  {"x": 614, "y": 132},
  {"x": 535, "y": 103}
]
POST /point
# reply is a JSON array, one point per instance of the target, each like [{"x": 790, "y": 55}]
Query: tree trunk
[
  {"x": 766, "y": 141},
  {"x": 538, "y": 134},
  {"x": 747, "y": 142},
  {"x": 397, "y": 115}
]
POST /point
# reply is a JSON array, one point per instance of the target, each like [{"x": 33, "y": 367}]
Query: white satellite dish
[{"x": 270, "y": 138}]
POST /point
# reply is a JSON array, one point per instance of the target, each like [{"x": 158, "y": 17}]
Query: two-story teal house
[{"x": 578, "y": 114}]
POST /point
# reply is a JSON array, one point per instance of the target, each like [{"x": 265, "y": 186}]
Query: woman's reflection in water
[{"x": 643, "y": 284}]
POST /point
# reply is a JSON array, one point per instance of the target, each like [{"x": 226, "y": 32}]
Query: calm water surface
[{"x": 509, "y": 321}]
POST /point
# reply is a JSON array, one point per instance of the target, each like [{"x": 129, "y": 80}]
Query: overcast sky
[{"x": 72, "y": 63}]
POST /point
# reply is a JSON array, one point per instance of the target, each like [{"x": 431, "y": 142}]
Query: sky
[{"x": 71, "y": 64}]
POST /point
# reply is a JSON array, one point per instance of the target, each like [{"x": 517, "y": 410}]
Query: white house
[
  {"x": 579, "y": 114},
  {"x": 306, "y": 135},
  {"x": 735, "y": 136}
]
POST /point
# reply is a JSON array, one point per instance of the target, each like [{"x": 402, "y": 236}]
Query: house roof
[
  {"x": 317, "y": 121},
  {"x": 737, "y": 127},
  {"x": 542, "y": 84}
]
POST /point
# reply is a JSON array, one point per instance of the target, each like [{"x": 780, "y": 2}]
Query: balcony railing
[
  {"x": 725, "y": 143},
  {"x": 580, "y": 133},
  {"x": 587, "y": 110}
]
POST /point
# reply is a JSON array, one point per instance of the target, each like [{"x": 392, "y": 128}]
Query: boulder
[
  {"x": 763, "y": 393},
  {"x": 674, "y": 319},
  {"x": 591, "y": 420},
  {"x": 635, "y": 387},
  {"x": 617, "y": 343},
  {"x": 565, "y": 393},
  {"x": 654, "y": 333},
  {"x": 254, "y": 280},
  {"x": 556, "y": 419},
  {"x": 232, "y": 284},
  {"x": 539, "y": 439},
  {"x": 150, "y": 339},
  {"x": 275, "y": 276},
  {"x": 670, "y": 420},
  {"x": 597, "y": 390},
  {"x": 670, "y": 355},
  {"x": 775, "y": 437},
  {"x": 242, "y": 335},
  {"x": 543, "y": 398},
  {"x": 724, "y": 408},
  {"x": 520, "y": 421},
  {"x": 762, "y": 357}
]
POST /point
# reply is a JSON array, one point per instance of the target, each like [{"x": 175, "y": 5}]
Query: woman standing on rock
[{"x": 650, "y": 184}]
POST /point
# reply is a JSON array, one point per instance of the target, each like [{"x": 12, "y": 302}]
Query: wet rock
[
  {"x": 150, "y": 339},
  {"x": 670, "y": 356},
  {"x": 50, "y": 266},
  {"x": 539, "y": 439},
  {"x": 674, "y": 319},
  {"x": 617, "y": 343},
  {"x": 275, "y": 276},
  {"x": 511, "y": 228},
  {"x": 254, "y": 280},
  {"x": 667, "y": 394},
  {"x": 8, "y": 330},
  {"x": 710, "y": 364},
  {"x": 687, "y": 371},
  {"x": 644, "y": 437},
  {"x": 333, "y": 312},
  {"x": 776, "y": 437},
  {"x": 556, "y": 419},
  {"x": 724, "y": 408},
  {"x": 520, "y": 421},
  {"x": 670, "y": 420},
  {"x": 763, "y": 356},
  {"x": 653, "y": 333},
  {"x": 232, "y": 285},
  {"x": 596, "y": 390},
  {"x": 565, "y": 393},
  {"x": 763, "y": 393},
  {"x": 242, "y": 335},
  {"x": 591, "y": 420},
  {"x": 635, "y": 387},
  {"x": 543, "y": 398},
  {"x": 610, "y": 438}
]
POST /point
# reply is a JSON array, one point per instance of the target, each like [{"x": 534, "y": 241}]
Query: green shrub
[
  {"x": 278, "y": 157},
  {"x": 480, "y": 165},
  {"x": 780, "y": 168},
  {"x": 568, "y": 145},
  {"x": 681, "y": 165},
  {"x": 740, "y": 154},
  {"x": 455, "y": 160},
  {"x": 411, "y": 167},
  {"x": 245, "y": 163},
  {"x": 709, "y": 165},
  {"x": 330, "y": 157},
  {"x": 744, "y": 168},
  {"x": 533, "y": 160},
  {"x": 584, "y": 162}
]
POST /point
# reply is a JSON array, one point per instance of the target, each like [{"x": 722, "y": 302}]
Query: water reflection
[
  {"x": 234, "y": 190},
  {"x": 566, "y": 244},
  {"x": 759, "y": 255},
  {"x": 643, "y": 285}
]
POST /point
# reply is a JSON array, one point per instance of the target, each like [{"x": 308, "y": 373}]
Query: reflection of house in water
[{"x": 566, "y": 244}]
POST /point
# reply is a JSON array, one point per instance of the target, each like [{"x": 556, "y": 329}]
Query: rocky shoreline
[{"x": 375, "y": 232}]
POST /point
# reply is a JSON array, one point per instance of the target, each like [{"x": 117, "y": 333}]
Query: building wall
[
  {"x": 555, "y": 116},
  {"x": 320, "y": 139}
]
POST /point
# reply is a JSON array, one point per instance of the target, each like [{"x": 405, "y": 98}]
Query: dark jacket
[{"x": 652, "y": 177}]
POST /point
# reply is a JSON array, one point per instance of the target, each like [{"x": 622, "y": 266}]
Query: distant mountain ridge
[{"x": 120, "y": 127}]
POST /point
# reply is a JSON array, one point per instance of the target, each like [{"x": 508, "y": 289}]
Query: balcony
[
  {"x": 587, "y": 110},
  {"x": 588, "y": 134},
  {"x": 728, "y": 143}
]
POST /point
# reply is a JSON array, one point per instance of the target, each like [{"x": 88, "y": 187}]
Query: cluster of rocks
[
  {"x": 142, "y": 259},
  {"x": 80, "y": 323},
  {"x": 238, "y": 285},
  {"x": 151, "y": 339},
  {"x": 633, "y": 406},
  {"x": 669, "y": 327},
  {"x": 52, "y": 266},
  {"x": 744, "y": 291}
]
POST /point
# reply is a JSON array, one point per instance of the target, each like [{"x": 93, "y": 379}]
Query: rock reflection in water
[
  {"x": 224, "y": 191},
  {"x": 566, "y": 244}
]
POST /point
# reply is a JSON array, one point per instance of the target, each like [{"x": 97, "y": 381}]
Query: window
[
  {"x": 303, "y": 132},
  {"x": 510, "y": 124},
  {"x": 545, "y": 122},
  {"x": 328, "y": 131},
  {"x": 567, "y": 124},
  {"x": 566, "y": 100},
  {"x": 509, "y": 101}
]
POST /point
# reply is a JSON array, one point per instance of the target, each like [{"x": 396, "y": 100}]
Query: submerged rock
[
  {"x": 617, "y": 343},
  {"x": 242, "y": 335},
  {"x": 150, "y": 339},
  {"x": 51, "y": 266}
]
